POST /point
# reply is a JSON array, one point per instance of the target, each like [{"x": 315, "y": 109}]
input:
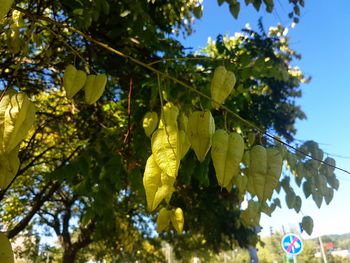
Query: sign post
[{"x": 292, "y": 245}]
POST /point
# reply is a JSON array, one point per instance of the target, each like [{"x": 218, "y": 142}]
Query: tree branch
[
  {"x": 84, "y": 238},
  {"x": 66, "y": 240},
  {"x": 53, "y": 224},
  {"x": 38, "y": 201}
]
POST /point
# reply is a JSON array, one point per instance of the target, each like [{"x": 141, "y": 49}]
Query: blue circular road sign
[{"x": 292, "y": 244}]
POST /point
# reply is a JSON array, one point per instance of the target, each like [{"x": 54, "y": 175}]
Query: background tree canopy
[{"x": 82, "y": 165}]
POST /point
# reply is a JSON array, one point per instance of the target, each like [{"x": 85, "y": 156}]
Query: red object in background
[{"x": 329, "y": 246}]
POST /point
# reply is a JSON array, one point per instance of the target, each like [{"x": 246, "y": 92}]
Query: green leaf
[
  {"x": 187, "y": 168},
  {"x": 87, "y": 21},
  {"x": 298, "y": 180},
  {"x": 105, "y": 7},
  {"x": 269, "y": 5},
  {"x": 220, "y": 2},
  {"x": 247, "y": 2},
  {"x": 202, "y": 171},
  {"x": 235, "y": 8},
  {"x": 335, "y": 183},
  {"x": 317, "y": 197},
  {"x": 241, "y": 183},
  {"x": 307, "y": 188},
  {"x": 277, "y": 202},
  {"x": 328, "y": 195},
  {"x": 278, "y": 188},
  {"x": 134, "y": 179},
  {"x": 78, "y": 11},
  {"x": 285, "y": 183},
  {"x": 198, "y": 11},
  {"x": 125, "y": 13},
  {"x": 290, "y": 199},
  {"x": 89, "y": 214},
  {"x": 297, "y": 204},
  {"x": 268, "y": 209},
  {"x": 297, "y": 10},
  {"x": 257, "y": 4},
  {"x": 251, "y": 216}
]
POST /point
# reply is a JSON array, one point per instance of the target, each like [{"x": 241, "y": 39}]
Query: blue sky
[{"x": 323, "y": 39}]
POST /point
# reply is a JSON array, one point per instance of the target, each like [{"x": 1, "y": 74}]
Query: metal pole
[
  {"x": 322, "y": 250},
  {"x": 253, "y": 255},
  {"x": 168, "y": 253}
]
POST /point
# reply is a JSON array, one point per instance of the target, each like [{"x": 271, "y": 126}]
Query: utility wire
[{"x": 165, "y": 75}]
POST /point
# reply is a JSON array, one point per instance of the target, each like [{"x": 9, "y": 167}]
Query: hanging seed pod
[
  {"x": 167, "y": 181},
  {"x": 257, "y": 171},
  {"x": 4, "y": 9},
  {"x": 184, "y": 143},
  {"x": 151, "y": 181},
  {"x": 3, "y": 106},
  {"x": 264, "y": 171},
  {"x": 221, "y": 85},
  {"x": 169, "y": 116},
  {"x": 274, "y": 163},
  {"x": 177, "y": 219},
  {"x": 94, "y": 87},
  {"x": 6, "y": 253},
  {"x": 226, "y": 153},
  {"x": 17, "y": 120},
  {"x": 183, "y": 121},
  {"x": 307, "y": 224},
  {"x": 241, "y": 182},
  {"x": 274, "y": 171},
  {"x": 9, "y": 164},
  {"x": 258, "y": 160},
  {"x": 14, "y": 40},
  {"x": 290, "y": 199},
  {"x": 166, "y": 150},
  {"x": 246, "y": 158},
  {"x": 163, "y": 219},
  {"x": 297, "y": 204},
  {"x": 73, "y": 80},
  {"x": 150, "y": 122},
  {"x": 163, "y": 193},
  {"x": 328, "y": 195},
  {"x": 200, "y": 129}
]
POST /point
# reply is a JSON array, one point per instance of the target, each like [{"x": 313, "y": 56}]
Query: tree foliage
[{"x": 83, "y": 162}]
